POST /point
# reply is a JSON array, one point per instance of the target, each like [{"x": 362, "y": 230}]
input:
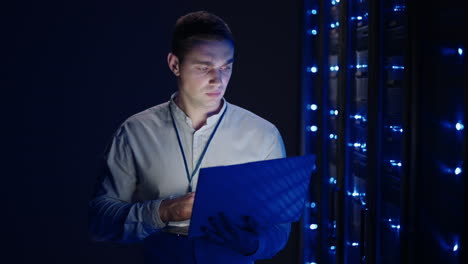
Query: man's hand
[
  {"x": 224, "y": 232},
  {"x": 177, "y": 209}
]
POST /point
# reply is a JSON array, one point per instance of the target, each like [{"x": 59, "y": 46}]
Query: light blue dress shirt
[{"x": 144, "y": 165}]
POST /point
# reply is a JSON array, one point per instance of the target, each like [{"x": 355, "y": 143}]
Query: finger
[
  {"x": 187, "y": 200},
  {"x": 186, "y": 209},
  {"x": 189, "y": 196},
  {"x": 227, "y": 223},
  {"x": 206, "y": 229},
  {"x": 188, "y": 212},
  {"x": 180, "y": 199},
  {"x": 219, "y": 227},
  {"x": 212, "y": 235}
]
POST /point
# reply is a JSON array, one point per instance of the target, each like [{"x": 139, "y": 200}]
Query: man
[{"x": 153, "y": 162}]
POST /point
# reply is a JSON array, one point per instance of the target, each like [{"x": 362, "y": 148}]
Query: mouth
[{"x": 214, "y": 94}]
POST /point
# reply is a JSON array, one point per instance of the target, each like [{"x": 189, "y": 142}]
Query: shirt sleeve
[
  {"x": 113, "y": 216},
  {"x": 276, "y": 149},
  {"x": 272, "y": 239}
]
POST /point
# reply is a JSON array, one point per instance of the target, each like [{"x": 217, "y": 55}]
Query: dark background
[{"x": 80, "y": 68}]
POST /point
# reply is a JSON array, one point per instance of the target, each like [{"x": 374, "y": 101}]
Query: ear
[{"x": 173, "y": 63}]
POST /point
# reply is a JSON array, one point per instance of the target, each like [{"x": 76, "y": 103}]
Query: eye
[
  {"x": 226, "y": 68},
  {"x": 203, "y": 68}
]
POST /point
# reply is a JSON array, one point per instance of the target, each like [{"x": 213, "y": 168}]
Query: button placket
[{"x": 199, "y": 142}]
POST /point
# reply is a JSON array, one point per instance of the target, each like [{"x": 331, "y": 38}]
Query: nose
[{"x": 216, "y": 77}]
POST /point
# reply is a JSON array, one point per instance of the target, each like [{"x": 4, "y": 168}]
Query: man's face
[{"x": 205, "y": 72}]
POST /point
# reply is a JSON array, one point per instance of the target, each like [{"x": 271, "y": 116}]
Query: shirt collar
[{"x": 180, "y": 114}]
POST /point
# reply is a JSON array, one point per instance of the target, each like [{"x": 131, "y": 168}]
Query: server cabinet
[
  {"x": 321, "y": 129},
  {"x": 382, "y": 101},
  {"x": 435, "y": 214}
]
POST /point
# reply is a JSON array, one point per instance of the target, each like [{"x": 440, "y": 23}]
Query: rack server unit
[{"x": 383, "y": 107}]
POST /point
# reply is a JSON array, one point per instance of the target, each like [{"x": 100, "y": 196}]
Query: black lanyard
[{"x": 190, "y": 177}]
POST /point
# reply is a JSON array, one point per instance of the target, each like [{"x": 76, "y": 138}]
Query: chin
[{"x": 213, "y": 103}]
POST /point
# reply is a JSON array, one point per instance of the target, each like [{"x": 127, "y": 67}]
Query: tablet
[{"x": 270, "y": 191}]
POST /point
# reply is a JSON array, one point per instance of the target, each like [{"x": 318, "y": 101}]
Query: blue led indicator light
[
  {"x": 459, "y": 126},
  {"x": 356, "y": 194},
  {"x": 313, "y": 205},
  {"x": 455, "y": 248},
  {"x": 312, "y": 69},
  {"x": 312, "y": 32},
  {"x": 396, "y": 67},
  {"x": 395, "y": 163},
  {"x": 398, "y": 8},
  {"x": 313, "y": 226},
  {"x": 396, "y": 129},
  {"x": 312, "y": 128},
  {"x": 335, "y": 25},
  {"x": 312, "y": 107},
  {"x": 460, "y": 51},
  {"x": 458, "y": 170}
]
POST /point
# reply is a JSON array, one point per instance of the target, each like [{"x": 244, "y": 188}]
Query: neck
[{"x": 197, "y": 115}]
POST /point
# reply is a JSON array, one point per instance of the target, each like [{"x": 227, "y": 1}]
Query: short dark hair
[{"x": 197, "y": 26}]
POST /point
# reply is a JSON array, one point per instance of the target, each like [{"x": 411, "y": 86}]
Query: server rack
[
  {"x": 435, "y": 231},
  {"x": 383, "y": 108}
]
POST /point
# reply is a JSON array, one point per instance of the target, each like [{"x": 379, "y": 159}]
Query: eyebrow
[{"x": 209, "y": 63}]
